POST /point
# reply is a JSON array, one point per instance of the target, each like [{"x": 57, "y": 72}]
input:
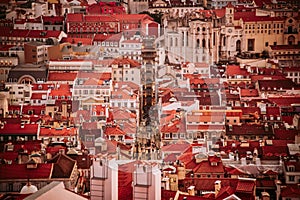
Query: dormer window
[
  {"x": 213, "y": 163},
  {"x": 291, "y": 168}
]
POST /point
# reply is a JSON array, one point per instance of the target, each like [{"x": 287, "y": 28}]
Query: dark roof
[
  {"x": 31, "y": 70},
  {"x": 63, "y": 166},
  {"x": 249, "y": 129},
  {"x": 273, "y": 85}
]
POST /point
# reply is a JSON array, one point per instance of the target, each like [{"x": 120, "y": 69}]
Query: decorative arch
[
  {"x": 26, "y": 79},
  {"x": 291, "y": 40},
  {"x": 238, "y": 45}
]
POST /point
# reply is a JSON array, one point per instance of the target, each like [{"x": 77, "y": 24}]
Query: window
[
  {"x": 292, "y": 178},
  {"x": 267, "y": 44},
  {"x": 291, "y": 168},
  {"x": 251, "y": 44}
]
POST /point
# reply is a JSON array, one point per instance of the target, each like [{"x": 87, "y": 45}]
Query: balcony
[{"x": 290, "y": 31}]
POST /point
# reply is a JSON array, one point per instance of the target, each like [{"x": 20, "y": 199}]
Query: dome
[{"x": 28, "y": 189}]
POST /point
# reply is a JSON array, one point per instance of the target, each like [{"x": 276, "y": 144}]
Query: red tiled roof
[
  {"x": 54, "y": 150},
  {"x": 186, "y": 157},
  {"x": 249, "y": 129},
  {"x": 224, "y": 192},
  {"x": 205, "y": 167},
  {"x": 20, "y": 171},
  {"x": 107, "y": 37},
  {"x": 245, "y": 186},
  {"x": 74, "y": 17},
  {"x": 284, "y": 134},
  {"x": 132, "y": 17},
  {"x": 265, "y": 183},
  {"x": 22, "y": 21},
  {"x": 290, "y": 191},
  {"x": 167, "y": 194},
  {"x": 43, "y": 34},
  {"x": 72, "y": 40},
  {"x": 235, "y": 171},
  {"x": 59, "y": 76},
  {"x": 171, "y": 127},
  {"x": 100, "y": 18},
  {"x": 58, "y": 132},
  {"x": 170, "y": 158},
  {"x": 208, "y": 184},
  {"x": 220, "y": 12},
  {"x": 61, "y": 90},
  {"x": 9, "y": 155},
  {"x": 233, "y": 70},
  {"x": 114, "y": 130},
  {"x": 36, "y": 110},
  {"x": 123, "y": 61},
  {"x": 53, "y": 19},
  {"x": 101, "y": 76},
  {"x": 271, "y": 85},
  {"x": 275, "y": 111},
  {"x": 251, "y": 17},
  {"x": 15, "y": 129},
  {"x": 270, "y": 172},
  {"x": 274, "y": 151},
  {"x": 249, "y": 93},
  {"x": 5, "y": 47},
  {"x": 175, "y": 148},
  {"x": 19, "y": 33},
  {"x": 205, "y": 127},
  {"x": 285, "y": 100},
  {"x": 255, "y": 78}
]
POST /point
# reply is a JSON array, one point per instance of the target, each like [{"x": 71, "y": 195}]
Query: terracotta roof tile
[
  {"x": 290, "y": 191},
  {"x": 74, "y": 17},
  {"x": 113, "y": 130},
  {"x": 205, "y": 167},
  {"x": 20, "y": 171},
  {"x": 208, "y": 184},
  {"x": 65, "y": 76},
  {"x": 233, "y": 70},
  {"x": 58, "y": 132},
  {"x": 245, "y": 186},
  {"x": 249, "y": 93},
  {"x": 175, "y": 148},
  {"x": 16, "y": 129}
]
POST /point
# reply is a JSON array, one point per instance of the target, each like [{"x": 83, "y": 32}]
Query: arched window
[
  {"x": 203, "y": 43},
  {"x": 291, "y": 40},
  {"x": 238, "y": 45},
  {"x": 198, "y": 43}
]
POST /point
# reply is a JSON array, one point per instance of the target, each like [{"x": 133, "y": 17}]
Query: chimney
[
  {"x": 265, "y": 196},
  {"x": 278, "y": 189},
  {"x": 191, "y": 190},
  {"x": 217, "y": 187}
]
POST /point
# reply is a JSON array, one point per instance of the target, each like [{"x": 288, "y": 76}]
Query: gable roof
[
  {"x": 63, "y": 166},
  {"x": 54, "y": 190}
]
